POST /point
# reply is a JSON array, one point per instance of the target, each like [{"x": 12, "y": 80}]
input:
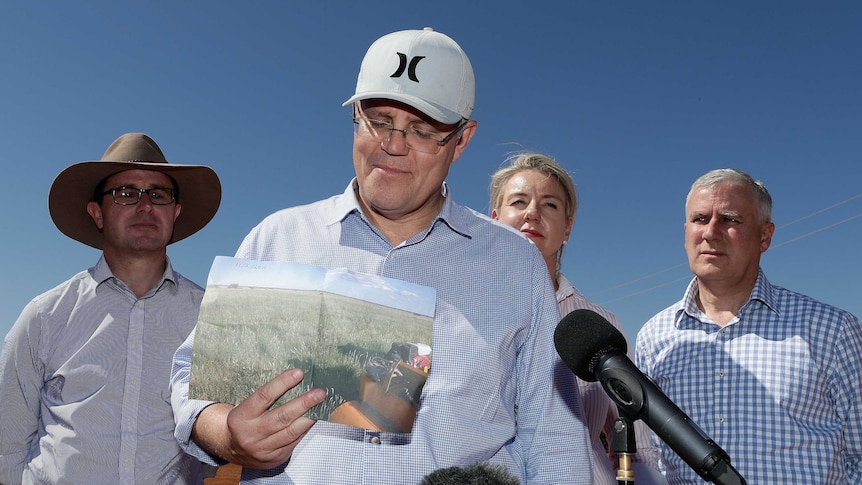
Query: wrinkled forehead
[{"x": 721, "y": 197}]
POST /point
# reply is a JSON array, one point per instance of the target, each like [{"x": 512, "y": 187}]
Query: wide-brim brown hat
[{"x": 198, "y": 187}]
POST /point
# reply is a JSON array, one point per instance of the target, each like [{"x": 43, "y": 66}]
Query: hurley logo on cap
[{"x": 402, "y": 63}]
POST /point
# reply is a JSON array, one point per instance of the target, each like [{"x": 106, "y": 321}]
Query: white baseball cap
[{"x": 422, "y": 68}]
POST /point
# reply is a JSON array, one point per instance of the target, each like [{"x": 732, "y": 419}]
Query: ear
[
  {"x": 177, "y": 209},
  {"x": 766, "y": 233},
  {"x": 95, "y": 211},
  {"x": 494, "y": 215},
  {"x": 569, "y": 226},
  {"x": 464, "y": 139}
]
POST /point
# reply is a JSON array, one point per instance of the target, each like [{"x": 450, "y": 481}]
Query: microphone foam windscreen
[
  {"x": 582, "y": 337},
  {"x": 478, "y": 474}
]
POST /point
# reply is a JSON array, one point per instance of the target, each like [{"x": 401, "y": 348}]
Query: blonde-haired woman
[{"x": 535, "y": 195}]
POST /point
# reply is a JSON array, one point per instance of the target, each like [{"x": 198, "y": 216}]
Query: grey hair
[{"x": 737, "y": 177}]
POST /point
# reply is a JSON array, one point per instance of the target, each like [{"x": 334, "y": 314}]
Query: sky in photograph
[{"x": 635, "y": 99}]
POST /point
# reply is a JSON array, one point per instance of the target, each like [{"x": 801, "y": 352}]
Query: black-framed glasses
[
  {"x": 132, "y": 195},
  {"x": 415, "y": 138}
]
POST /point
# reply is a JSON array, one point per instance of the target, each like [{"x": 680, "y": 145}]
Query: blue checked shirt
[
  {"x": 84, "y": 375},
  {"x": 779, "y": 388},
  {"x": 490, "y": 395}
]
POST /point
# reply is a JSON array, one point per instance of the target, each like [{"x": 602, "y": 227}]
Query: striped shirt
[
  {"x": 84, "y": 395},
  {"x": 778, "y": 388},
  {"x": 489, "y": 395}
]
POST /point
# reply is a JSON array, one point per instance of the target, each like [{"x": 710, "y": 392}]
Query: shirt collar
[
  {"x": 102, "y": 272},
  {"x": 763, "y": 293},
  {"x": 449, "y": 213},
  {"x": 565, "y": 288}
]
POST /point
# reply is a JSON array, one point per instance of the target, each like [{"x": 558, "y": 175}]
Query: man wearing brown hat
[{"x": 84, "y": 394}]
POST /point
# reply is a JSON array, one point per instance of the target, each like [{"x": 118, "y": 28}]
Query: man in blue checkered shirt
[{"x": 773, "y": 376}]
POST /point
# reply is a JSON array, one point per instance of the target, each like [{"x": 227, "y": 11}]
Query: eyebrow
[
  {"x": 541, "y": 197},
  {"x": 733, "y": 214}
]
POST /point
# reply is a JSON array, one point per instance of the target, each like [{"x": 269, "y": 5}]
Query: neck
[
  {"x": 139, "y": 272},
  {"x": 551, "y": 262},
  {"x": 722, "y": 304},
  {"x": 398, "y": 227}
]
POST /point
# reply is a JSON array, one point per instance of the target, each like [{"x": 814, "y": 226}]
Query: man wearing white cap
[
  {"x": 490, "y": 395},
  {"x": 85, "y": 370}
]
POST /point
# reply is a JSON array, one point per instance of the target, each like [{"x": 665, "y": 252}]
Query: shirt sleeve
[
  {"x": 552, "y": 437},
  {"x": 845, "y": 384},
  {"x": 21, "y": 382},
  {"x": 186, "y": 411}
]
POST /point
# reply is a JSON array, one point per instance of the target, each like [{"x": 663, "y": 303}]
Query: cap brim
[
  {"x": 199, "y": 194},
  {"x": 435, "y": 111}
]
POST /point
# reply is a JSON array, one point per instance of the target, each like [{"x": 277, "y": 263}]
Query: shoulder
[
  {"x": 481, "y": 226},
  {"x": 303, "y": 222},
  {"x": 57, "y": 303},
  {"x": 792, "y": 305},
  {"x": 69, "y": 289},
  {"x": 575, "y": 301},
  {"x": 311, "y": 210},
  {"x": 187, "y": 285},
  {"x": 660, "y": 324}
]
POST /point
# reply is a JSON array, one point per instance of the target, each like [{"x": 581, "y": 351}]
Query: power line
[
  {"x": 830, "y": 226},
  {"x": 646, "y": 277},
  {"x": 783, "y": 243},
  {"x": 820, "y": 211}
]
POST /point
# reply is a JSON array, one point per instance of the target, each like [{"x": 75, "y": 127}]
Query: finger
[
  {"x": 292, "y": 411},
  {"x": 287, "y": 424},
  {"x": 260, "y": 400},
  {"x": 272, "y": 440}
]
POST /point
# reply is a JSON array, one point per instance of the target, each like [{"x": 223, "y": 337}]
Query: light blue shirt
[
  {"x": 84, "y": 394},
  {"x": 779, "y": 388},
  {"x": 490, "y": 395}
]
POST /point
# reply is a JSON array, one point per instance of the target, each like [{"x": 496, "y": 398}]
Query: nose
[
  {"x": 395, "y": 143},
  {"x": 145, "y": 204},
  {"x": 532, "y": 212},
  {"x": 710, "y": 229}
]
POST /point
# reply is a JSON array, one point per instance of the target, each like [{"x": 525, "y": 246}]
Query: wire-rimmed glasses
[{"x": 416, "y": 139}]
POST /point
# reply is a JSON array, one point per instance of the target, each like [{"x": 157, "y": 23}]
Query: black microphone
[{"x": 596, "y": 351}]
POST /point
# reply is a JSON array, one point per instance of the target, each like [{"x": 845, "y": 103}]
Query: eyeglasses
[
  {"x": 415, "y": 138},
  {"x": 132, "y": 195}
]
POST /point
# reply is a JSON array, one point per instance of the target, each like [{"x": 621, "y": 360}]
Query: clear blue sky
[{"x": 635, "y": 98}]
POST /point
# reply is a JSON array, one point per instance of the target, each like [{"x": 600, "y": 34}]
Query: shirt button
[{"x": 375, "y": 440}]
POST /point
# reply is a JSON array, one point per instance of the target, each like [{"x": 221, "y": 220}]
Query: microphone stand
[{"x": 624, "y": 446}]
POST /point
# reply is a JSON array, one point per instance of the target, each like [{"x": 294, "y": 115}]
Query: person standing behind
[
  {"x": 773, "y": 376},
  {"x": 535, "y": 195},
  {"x": 489, "y": 396},
  {"x": 84, "y": 373}
]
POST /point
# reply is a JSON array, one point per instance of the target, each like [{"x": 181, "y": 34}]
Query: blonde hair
[{"x": 522, "y": 161}]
